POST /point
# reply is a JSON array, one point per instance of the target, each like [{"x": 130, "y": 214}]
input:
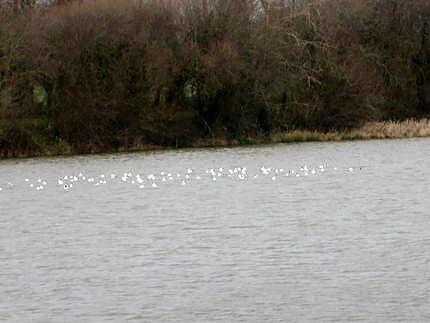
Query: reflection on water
[{"x": 237, "y": 236}]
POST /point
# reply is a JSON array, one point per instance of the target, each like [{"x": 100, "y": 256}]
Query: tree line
[{"x": 99, "y": 75}]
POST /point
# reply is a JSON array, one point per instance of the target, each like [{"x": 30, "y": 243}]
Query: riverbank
[
  {"x": 373, "y": 130},
  {"x": 410, "y": 128}
]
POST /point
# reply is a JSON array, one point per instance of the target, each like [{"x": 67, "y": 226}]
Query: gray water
[{"x": 338, "y": 245}]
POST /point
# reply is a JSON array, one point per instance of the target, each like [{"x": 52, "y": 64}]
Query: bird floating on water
[{"x": 187, "y": 176}]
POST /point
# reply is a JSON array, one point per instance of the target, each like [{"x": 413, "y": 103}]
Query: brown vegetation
[
  {"x": 373, "y": 130},
  {"x": 105, "y": 75}
]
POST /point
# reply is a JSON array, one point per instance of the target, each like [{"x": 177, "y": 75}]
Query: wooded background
[{"x": 102, "y": 74}]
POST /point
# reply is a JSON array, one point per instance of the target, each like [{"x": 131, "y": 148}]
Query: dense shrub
[{"x": 107, "y": 74}]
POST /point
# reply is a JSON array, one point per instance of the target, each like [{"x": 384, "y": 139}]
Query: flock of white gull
[{"x": 156, "y": 180}]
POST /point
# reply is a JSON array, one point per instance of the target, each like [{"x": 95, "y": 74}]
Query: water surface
[{"x": 339, "y": 245}]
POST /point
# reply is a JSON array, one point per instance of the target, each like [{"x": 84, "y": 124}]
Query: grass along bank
[
  {"x": 410, "y": 128},
  {"x": 373, "y": 130}
]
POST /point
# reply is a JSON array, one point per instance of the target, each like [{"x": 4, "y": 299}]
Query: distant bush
[{"x": 99, "y": 75}]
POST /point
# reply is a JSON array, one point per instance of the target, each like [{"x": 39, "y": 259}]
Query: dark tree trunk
[{"x": 422, "y": 62}]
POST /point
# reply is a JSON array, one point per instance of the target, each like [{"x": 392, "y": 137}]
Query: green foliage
[
  {"x": 190, "y": 89},
  {"x": 40, "y": 96},
  {"x": 245, "y": 140}
]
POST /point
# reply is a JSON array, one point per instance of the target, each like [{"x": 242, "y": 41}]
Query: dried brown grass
[
  {"x": 395, "y": 129},
  {"x": 410, "y": 128}
]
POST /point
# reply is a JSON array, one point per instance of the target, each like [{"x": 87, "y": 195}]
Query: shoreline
[{"x": 407, "y": 129}]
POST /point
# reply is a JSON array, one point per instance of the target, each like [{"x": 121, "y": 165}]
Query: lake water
[{"x": 348, "y": 241}]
